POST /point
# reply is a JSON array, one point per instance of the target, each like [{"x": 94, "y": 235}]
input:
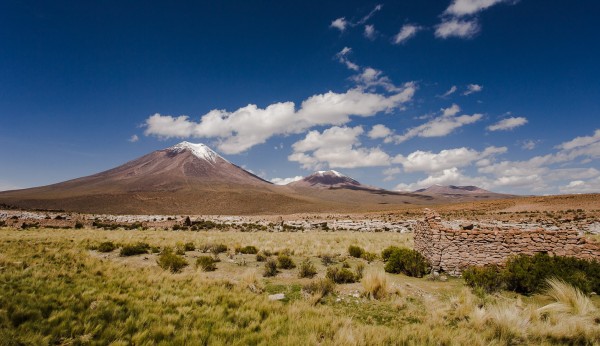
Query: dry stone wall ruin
[{"x": 452, "y": 250}]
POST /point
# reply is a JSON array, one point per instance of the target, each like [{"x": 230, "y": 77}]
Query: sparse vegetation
[{"x": 248, "y": 250}]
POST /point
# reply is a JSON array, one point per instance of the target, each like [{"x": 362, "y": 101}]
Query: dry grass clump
[
  {"x": 375, "y": 285},
  {"x": 568, "y": 300},
  {"x": 251, "y": 281}
]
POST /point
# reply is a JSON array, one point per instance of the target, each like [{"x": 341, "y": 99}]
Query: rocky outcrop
[{"x": 451, "y": 250}]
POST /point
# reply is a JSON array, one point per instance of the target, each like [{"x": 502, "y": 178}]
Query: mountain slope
[{"x": 462, "y": 193}]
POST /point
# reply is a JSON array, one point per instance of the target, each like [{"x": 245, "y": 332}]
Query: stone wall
[{"x": 452, "y": 250}]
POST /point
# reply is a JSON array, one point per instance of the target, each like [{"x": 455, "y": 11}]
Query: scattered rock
[{"x": 467, "y": 226}]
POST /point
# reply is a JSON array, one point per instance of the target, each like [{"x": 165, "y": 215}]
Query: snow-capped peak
[
  {"x": 331, "y": 172},
  {"x": 199, "y": 150}
]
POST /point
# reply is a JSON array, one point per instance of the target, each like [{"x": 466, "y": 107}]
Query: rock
[
  {"x": 277, "y": 296},
  {"x": 467, "y": 226}
]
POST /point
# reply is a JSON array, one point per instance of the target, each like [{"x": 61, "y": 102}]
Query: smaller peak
[{"x": 200, "y": 150}]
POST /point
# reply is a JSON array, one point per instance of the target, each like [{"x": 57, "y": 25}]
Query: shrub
[
  {"x": 355, "y": 251},
  {"x": 248, "y": 250},
  {"x": 189, "y": 246},
  {"x": 327, "y": 259},
  {"x": 206, "y": 263},
  {"x": 527, "y": 274},
  {"x": 340, "y": 275},
  {"x": 261, "y": 257},
  {"x": 285, "y": 262},
  {"x": 369, "y": 256},
  {"x": 408, "y": 262},
  {"x": 360, "y": 268},
  {"x": 78, "y": 225},
  {"x": 134, "y": 249},
  {"x": 320, "y": 288},
  {"x": 270, "y": 268},
  {"x": 218, "y": 248},
  {"x": 107, "y": 246},
  {"x": 385, "y": 254},
  {"x": 488, "y": 278},
  {"x": 167, "y": 260},
  {"x": 307, "y": 269}
]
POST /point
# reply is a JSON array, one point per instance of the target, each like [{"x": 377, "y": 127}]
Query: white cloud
[
  {"x": 133, "y": 139},
  {"x": 371, "y": 14},
  {"x": 508, "y": 124},
  {"x": 440, "y": 126},
  {"x": 581, "y": 186},
  {"x": 450, "y": 176},
  {"x": 457, "y": 28},
  {"x": 460, "y": 8},
  {"x": 450, "y": 91},
  {"x": 426, "y": 161},
  {"x": 529, "y": 144},
  {"x": 379, "y": 131},
  {"x": 336, "y": 147},
  {"x": 341, "y": 24},
  {"x": 406, "y": 32},
  {"x": 342, "y": 57},
  {"x": 390, "y": 173},
  {"x": 370, "y": 32},
  {"x": 581, "y": 141},
  {"x": 285, "y": 181},
  {"x": 473, "y": 88},
  {"x": 248, "y": 126}
]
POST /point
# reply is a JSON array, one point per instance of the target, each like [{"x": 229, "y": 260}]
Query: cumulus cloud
[
  {"x": 427, "y": 161},
  {"x": 133, "y": 139},
  {"x": 529, "y": 144},
  {"x": 341, "y": 24},
  {"x": 406, "y": 32},
  {"x": 450, "y": 176},
  {"x": 370, "y": 32},
  {"x": 457, "y": 28},
  {"x": 508, "y": 124},
  {"x": 285, "y": 181},
  {"x": 336, "y": 147},
  {"x": 379, "y": 131},
  {"x": 248, "y": 126},
  {"x": 440, "y": 126},
  {"x": 582, "y": 186},
  {"x": 473, "y": 88},
  {"x": 461, "y": 8}
]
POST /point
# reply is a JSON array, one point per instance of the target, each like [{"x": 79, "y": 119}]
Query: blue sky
[{"x": 500, "y": 94}]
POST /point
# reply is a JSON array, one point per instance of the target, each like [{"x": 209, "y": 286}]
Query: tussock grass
[
  {"x": 375, "y": 285},
  {"x": 568, "y": 300}
]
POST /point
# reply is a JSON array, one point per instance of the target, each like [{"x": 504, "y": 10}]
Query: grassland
[{"x": 55, "y": 290}]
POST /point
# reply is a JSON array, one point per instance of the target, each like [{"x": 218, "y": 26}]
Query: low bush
[
  {"x": 340, "y": 275},
  {"x": 528, "y": 274},
  {"x": 320, "y": 288},
  {"x": 355, "y": 251},
  {"x": 375, "y": 285},
  {"x": 189, "y": 246},
  {"x": 206, "y": 263},
  {"x": 218, "y": 248},
  {"x": 488, "y": 278},
  {"x": 368, "y": 256},
  {"x": 327, "y": 259},
  {"x": 78, "y": 225},
  {"x": 386, "y": 253},
  {"x": 261, "y": 257},
  {"x": 285, "y": 262},
  {"x": 270, "y": 268},
  {"x": 408, "y": 262},
  {"x": 134, "y": 249},
  {"x": 167, "y": 260},
  {"x": 307, "y": 269},
  {"x": 248, "y": 250},
  {"x": 107, "y": 246}
]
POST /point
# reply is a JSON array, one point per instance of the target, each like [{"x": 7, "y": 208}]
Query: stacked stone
[{"x": 452, "y": 250}]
